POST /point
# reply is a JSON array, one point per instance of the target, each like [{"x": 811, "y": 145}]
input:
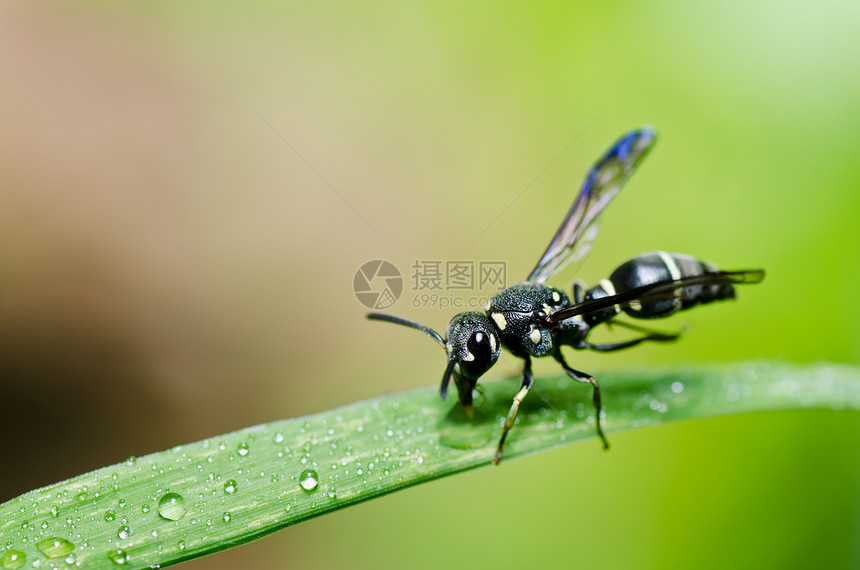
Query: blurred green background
[{"x": 189, "y": 187}]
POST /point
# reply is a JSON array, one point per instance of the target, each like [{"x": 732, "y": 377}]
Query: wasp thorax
[{"x": 472, "y": 341}]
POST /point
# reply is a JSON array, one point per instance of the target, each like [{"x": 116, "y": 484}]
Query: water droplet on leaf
[
  {"x": 12, "y": 559},
  {"x": 309, "y": 480},
  {"x": 118, "y": 556},
  {"x": 171, "y": 506},
  {"x": 55, "y": 547}
]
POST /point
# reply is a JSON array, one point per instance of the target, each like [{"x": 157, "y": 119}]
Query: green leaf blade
[{"x": 210, "y": 495}]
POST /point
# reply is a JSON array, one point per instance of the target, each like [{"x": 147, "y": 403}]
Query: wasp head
[{"x": 473, "y": 346}]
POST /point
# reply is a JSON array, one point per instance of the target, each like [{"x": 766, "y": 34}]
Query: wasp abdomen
[{"x": 658, "y": 267}]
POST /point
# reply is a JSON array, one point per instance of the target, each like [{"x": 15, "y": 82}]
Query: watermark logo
[
  {"x": 460, "y": 284},
  {"x": 377, "y": 284}
]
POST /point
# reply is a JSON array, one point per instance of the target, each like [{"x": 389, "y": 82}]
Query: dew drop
[
  {"x": 279, "y": 438},
  {"x": 12, "y": 559},
  {"x": 733, "y": 394},
  {"x": 181, "y": 545},
  {"x": 171, "y": 506},
  {"x": 110, "y": 514},
  {"x": 309, "y": 480},
  {"x": 124, "y": 532},
  {"x": 677, "y": 387},
  {"x": 55, "y": 511},
  {"x": 118, "y": 556},
  {"x": 243, "y": 449},
  {"x": 226, "y": 516},
  {"x": 144, "y": 509},
  {"x": 55, "y": 547},
  {"x": 230, "y": 487}
]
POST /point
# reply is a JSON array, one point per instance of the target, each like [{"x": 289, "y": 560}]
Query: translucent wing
[
  {"x": 661, "y": 291},
  {"x": 573, "y": 239}
]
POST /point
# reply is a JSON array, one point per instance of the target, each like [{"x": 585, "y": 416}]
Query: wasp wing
[
  {"x": 573, "y": 239},
  {"x": 684, "y": 288}
]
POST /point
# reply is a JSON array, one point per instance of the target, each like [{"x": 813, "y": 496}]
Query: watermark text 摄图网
[{"x": 438, "y": 284}]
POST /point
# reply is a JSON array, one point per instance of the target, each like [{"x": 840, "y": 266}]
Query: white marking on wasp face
[
  {"x": 556, "y": 297},
  {"x": 501, "y": 322},
  {"x": 535, "y": 336},
  {"x": 469, "y": 357},
  {"x": 493, "y": 343},
  {"x": 674, "y": 271},
  {"x": 547, "y": 309},
  {"x": 635, "y": 305}
]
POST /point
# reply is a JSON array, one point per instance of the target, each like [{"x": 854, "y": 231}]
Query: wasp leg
[
  {"x": 595, "y": 392},
  {"x": 656, "y": 336},
  {"x": 512, "y": 413},
  {"x": 620, "y": 345}
]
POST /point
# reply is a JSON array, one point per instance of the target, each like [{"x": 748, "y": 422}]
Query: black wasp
[{"x": 533, "y": 319}]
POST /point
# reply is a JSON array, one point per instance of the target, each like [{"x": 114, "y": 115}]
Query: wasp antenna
[
  {"x": 443, "y": 391},
  {"x": 406, "y": 323}
]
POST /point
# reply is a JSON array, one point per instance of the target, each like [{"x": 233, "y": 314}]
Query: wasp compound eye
[
  {"x": 480, "y": 348},
  {"x": 478, "y": 343}
]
